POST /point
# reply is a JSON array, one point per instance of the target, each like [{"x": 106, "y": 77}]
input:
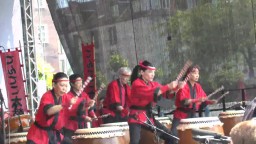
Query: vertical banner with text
[
  {"x": 89, "y": 67},
  {"x": 14, "y": 82}
]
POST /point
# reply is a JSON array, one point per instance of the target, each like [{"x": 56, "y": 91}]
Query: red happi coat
[
  {"x": 114, "y": 98},
  {"x": 55, "y": 122},
  {"x": 184, "y": 94},
  {"x": 143, "y": 94},
  {"x": 76, "y": 115}
]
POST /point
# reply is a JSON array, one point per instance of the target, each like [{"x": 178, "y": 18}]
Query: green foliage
[
  {"x": 47, "y": 70},
  {"x": 100, "y": 78},
  {"x": 159, "y": 74},
  {"x": 218, "y": 37},
  {"x": 116, "y": 61}
]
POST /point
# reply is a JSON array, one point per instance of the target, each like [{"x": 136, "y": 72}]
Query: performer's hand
[
  {"x": 203, "y": 99},
  {"x": 73, "y": 100},
  {"x": 91, "y": 103},
  {"x": 181, "y": 84},
  {"x": 119, "y": 108},
  {"x": 212, "y": 102},
  {"x": 199, "y": 100},
  {"x": 172, "y": 85},
  {"x": 189, "y": 101},
  {"x": 95, "y": 117},
  {"x": 100, "y": 105},
  {"x": 88, "y": 119}
]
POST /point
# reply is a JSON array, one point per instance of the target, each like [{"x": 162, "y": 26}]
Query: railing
[{"x": 224, "y": 105}]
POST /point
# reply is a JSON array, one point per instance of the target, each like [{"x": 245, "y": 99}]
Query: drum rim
[
  {"x": 203, "y": 119},
  {"x": 97, "y": 129},
  {"x": 108, "y": 132},
  {"x": 238, "y": 112},
  {"x": 16, "y": 116},
  {"x": 115, "y": 124},
  {"x": 17, "y": 134},
  {"x": 162, "y": 118}
]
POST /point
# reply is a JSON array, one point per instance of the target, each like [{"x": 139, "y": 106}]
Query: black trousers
[
  {"x": 117, "y": 118},
  {"x": 1, "y": 136},
  {"x": 67, "y": 136},
  {"x": 175, "y": 123},
  {"x": 135, "y": 130},
  {"x": 30, "y": 142}
]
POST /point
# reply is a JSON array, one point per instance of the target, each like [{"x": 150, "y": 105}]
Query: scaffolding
[{"x": 30, "y": 55}]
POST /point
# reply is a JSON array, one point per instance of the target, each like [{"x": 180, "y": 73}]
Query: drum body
[
  {"x": 166, "y": 121},
  {"x": 148, "y": 137},
  {"x": 230, "y": 119},
  {"x": 207, "y": 123},
  {"x": 16, "y": 138},
  {"x": 16, "y": 121},
  {"x": 99, "y": 135},
  {"x": 124, "y": 126}
]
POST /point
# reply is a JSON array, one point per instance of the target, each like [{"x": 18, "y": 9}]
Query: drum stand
[
  {"x": 208, "y": 137},
  {"x": 2, "y": 131},
  {"x": 20, "y": 129},
  {"x": 211, "y": 140},
  {"x": 155, "y": 128},
  {"x": 157, "y": 139}
]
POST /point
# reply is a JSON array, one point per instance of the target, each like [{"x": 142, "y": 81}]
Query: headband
[
  {"x": 60, "y": 80},
  {"x": 72, "y": 81},
  {"x": 146, "y": 67}
]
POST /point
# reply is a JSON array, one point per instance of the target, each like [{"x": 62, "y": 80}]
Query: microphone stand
[
  {"x": 155, "y": 132},
  {"x": 156, "y": 128}
]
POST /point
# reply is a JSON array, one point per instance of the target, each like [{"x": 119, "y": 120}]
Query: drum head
[
  {"x": 226, "y": 114},
  {"x": 99, "y": 132},
  {"x": 16, "y": 137},
  {"x": 198, "y": 123},
  {"x": 123, "y": 125}
]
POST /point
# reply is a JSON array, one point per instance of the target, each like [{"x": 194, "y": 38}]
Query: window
[
  {"x": 145, "y": 5},
  {"x": 115, "y": 10},
  {"x": 191, "y": 3},
  {"x": 78, "y": 20},
  {"x": 165, "y": 4},
  {"x": 136, "y": 6},
  {"x": 62, "y": 65},
  {"x": 43, "y": 33},
  {"x": 62, "y": 3},
  {"x": 155, "y": 4},
  {"x": 41, "y": 3},
  {"x": 60, "y": 48},
  {"x": 112, "y": 35}
]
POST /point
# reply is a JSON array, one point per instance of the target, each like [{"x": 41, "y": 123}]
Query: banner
[
  {"x": 14, "y": 82},
  {"x": 89, "y": 68}
]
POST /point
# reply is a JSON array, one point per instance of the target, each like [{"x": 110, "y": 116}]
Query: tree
[
  {"x": 216, "y": 38},
  {"x": 116, "y": 61},
  {"x": 45, "y": 72}
]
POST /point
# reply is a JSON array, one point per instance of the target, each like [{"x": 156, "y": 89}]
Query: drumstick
[
  {"x": 216, "y": 91},
  {"x": 102, "y": 116},
  {"x": 102, "y": 86},
  {"x": 222, "y": 96},
  {"x": 87, "y": 81},
  {"x": 184, "y": 69},
  {"x": 187, "y": 77}
]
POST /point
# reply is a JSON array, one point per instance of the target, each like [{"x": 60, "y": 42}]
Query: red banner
[
  {"x": 89, "y": 68},
  {"x": 14, "y": 82}
]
